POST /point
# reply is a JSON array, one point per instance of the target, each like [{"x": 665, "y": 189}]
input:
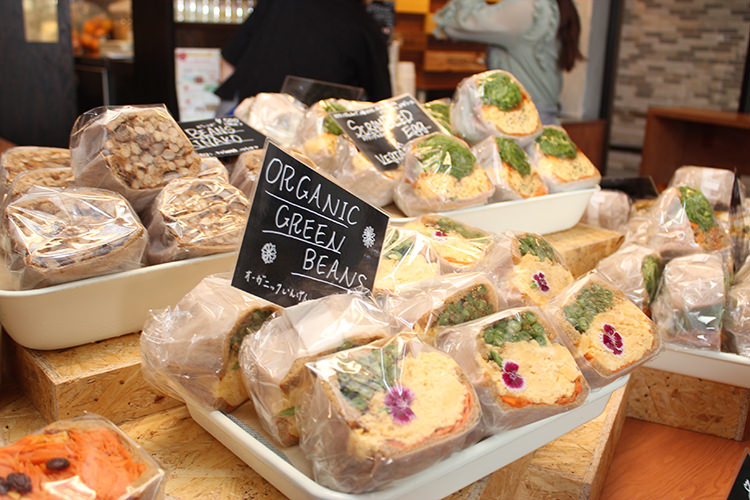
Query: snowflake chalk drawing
[
  {"x": 368, "y": 237},
  {"x": 268, "y": 253}
]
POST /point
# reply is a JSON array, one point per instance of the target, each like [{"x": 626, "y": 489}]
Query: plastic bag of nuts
[
  {"x": 132, "y": 150},
  {"x": 20, "y": 159}
]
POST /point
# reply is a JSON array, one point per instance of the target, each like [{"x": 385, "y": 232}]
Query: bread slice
[{"x": 561, "y": 163}]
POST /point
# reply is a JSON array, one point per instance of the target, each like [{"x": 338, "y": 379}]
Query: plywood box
[
  {"x": 689, "y": 403},
  {"x": 583, "y": 246}
]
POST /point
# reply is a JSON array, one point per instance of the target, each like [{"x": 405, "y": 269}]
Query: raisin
[
  {"x": 19, "y": 482},
  {"x": 58, "y": 463}
]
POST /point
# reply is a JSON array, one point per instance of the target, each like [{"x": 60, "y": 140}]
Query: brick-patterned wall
[{"x": 676, "y": 53}]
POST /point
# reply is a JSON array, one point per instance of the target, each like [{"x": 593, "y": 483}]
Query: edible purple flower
[
  {"x": 612, "y": 339},
  {"x": 511, "y": 377},
  {"x": 441, "y": 234},
  {"x": 541, "y": 281},
  {"x": 398, "y": 399}
]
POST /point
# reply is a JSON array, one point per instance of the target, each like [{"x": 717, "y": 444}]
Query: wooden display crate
[
  {"x": 103, "y": 377},
  {"x": 689, "y": 403},
  {"x": 583, "y": 246}
]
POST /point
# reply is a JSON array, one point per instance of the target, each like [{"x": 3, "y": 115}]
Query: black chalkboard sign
[
  {"x": 741, "y": 487},
  {"x": 306, "y": 236},
  {"x": 309, "y": 91},
  {"x": 222, "y": 137},
  {"x": 381, "y": 131},
  {"x": 638, "y": 188}
]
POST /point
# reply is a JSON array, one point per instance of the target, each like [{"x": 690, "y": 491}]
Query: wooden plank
[
  {"x": 689, "y": 403},
  {"x": 103, "y": 377},
  {"x": 583, "y": 245},
  {"x": 454, "y": 61}
]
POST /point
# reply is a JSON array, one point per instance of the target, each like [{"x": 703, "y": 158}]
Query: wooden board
[
  {"x": 103, "y": 377},
  {"x": 689, "y": 403},
  {"x": 583, "y": 245}
]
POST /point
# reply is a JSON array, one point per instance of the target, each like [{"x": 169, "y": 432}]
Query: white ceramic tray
[
  {"x": 289, "y": 471},
  {"x": 543, "y": 214},
  {"x": 723, "y": 367},
  {"x": 88, "y": 310}
]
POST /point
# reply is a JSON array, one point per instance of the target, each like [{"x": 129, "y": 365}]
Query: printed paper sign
[
  {"x": 741, "y": 487},
  {"x": 222, "y": 137},
  {"x": 381, "y": 131},
  {"x": 306, "y": 237}
]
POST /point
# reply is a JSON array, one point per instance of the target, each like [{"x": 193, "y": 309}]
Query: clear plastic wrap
[
  {"x": 608, "y": 209},
  {"x": 191, "y": 350},
  {"x": 277, "y": 116},
  {"x": 384, "y": 411},
  {"x": 318, "y": 133},
  {"x": 193, "y": 216},
  {"x": 424, "y": 306},
  {"x": 637, "y": 230},
  {"x": 360, "y": 176},
  {"x": 440, "y": 111},
  {"x": 80, "y": 458},
  {"x": 560, "y": 163},
  {"x": 56, "y": 236},
  {"x": 683, "y": 223},
  {"x": 272, "y": 360},
  {"x": 715, "y": 183},
  {"x": 737, "y": 324},
  {"x": 636, "y": 271},
  {"x": 132, "y": 150},
  {"x": 406, "y": 256},
  {"x": 691, "y": 302},
  {"x": 20, "y": 159},
  {"x": 212, "y": 167},
  {"x": 526, "y": 270},
  {"x": 246, "y": 170},
  {"x": 518, "y": 365},
  {"x": 440, "y": 174},
  {"x": 509, "y": 169},
  {"x": 57, "y": 177},
  {"x": 460, "y": 247},
  {"x": 494, "y": 103},
  {"x": 608, "y": 335}
]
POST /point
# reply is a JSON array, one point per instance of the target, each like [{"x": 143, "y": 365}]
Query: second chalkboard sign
[
  {"x": 306, "y": 236},
  {"x": 222, "y": 137}
]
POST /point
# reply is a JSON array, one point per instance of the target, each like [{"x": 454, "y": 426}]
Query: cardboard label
[
  {"x": 306, "y": 237},
  {"x": 309, "y": 91},
  {"x": 741, "y": 487},
  {"x": 222, "y": 137},
  {"x": 381, "y": 131}
]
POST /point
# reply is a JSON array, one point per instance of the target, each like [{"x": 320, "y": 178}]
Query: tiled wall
[{"x": 676, "y": 53}]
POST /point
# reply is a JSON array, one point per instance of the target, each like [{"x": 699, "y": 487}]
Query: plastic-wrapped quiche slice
[
  {"x": 560, "y": 163},
  {"x": 509, "y": 169},
  {"x": 406, "y": 257}
]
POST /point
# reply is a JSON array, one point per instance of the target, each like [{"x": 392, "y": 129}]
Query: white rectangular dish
[
  {"x": 543, "y": 214},
  {"x": 92, "y": 309},
  {"x": 289, "y": 471},
  {"x": 724, "y": 367}
]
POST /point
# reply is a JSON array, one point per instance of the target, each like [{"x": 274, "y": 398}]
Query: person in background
[
  {"x": 535, "y": 40},
  {"x": 330, "y": 40}
]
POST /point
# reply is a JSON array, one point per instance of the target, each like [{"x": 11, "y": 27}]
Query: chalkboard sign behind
[{"x": 222, "y": 137}]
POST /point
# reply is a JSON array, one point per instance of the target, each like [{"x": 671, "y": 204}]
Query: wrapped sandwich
[
  {"x": 509, "y": 169},
  {"x": 738, "y": 313},
  {"x": 636, "y": 271},
  {"x": 273, "y": 360},
  {"x": 246, "y": 171},
  {"x": 406, "y": 256},
  {"x": 440, "y": 174},
  {"x": 277, "y": 116},
  {"x": 460, "y": 247},
  {"x": 715, "y": 183},
  {"x": 608, "y": 209},
  {"x": 191, "y": 351},
  {"x": 560, "y": 163},
  {"x": 608, "y": 335},
  {"x": 81, "y": 458},
  {"x": 360, "y": 176},
  {"x": 132, "y": 150},
  {"x": 518, "y": 366},
  {"x": 494, "y": 103},
  {"x": 56, "y": 235},
  {"x": 20, "y": 159},
  {"x": 384, "y": 411},
  {"x": 193, "y": 217},
  {"x": 691, "y": 302},
  {"x": 440, "y": 111},
  {"x": 526, "y": 270},
  {"x": 447, "y": 300}
]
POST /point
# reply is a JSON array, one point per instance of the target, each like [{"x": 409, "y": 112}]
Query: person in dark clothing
[{"x": 331, "y": 40}]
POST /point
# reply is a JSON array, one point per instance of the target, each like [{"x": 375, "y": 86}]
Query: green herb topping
[
  {"x": 289, "y": 412},
  {"x": 651, "y": 272},
  {"x": 522, "y": 327},
  {"x": 373, "y": 372},
  {"x": 329, "y": 124},
  {"x": 471, "y": 306},
  {"x": 448, "y": 225},
  {"x": 697, "y": 208},
  {"x": 494, "y": 356},
  {"x": 536, "y": 246},
  {"x": 555, "y": 142},
  {"x": 439, "y": 110},
  {"x": 501, "y": 91},
  {"x": 590, "y": 302},
  {"x": 512, "y": 154},
  {"x": 443, "y": 153},
  {"x": 251, "y": 325}
]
